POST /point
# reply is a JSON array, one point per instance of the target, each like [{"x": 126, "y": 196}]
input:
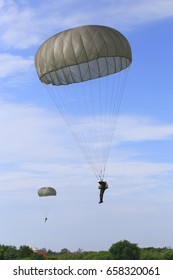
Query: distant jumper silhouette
[{"x": 102, "y": 187}]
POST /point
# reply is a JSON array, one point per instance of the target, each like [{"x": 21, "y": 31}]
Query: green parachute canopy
[
  {"x": 82, "y": 53},
  {"x": 46, "y": 191}
]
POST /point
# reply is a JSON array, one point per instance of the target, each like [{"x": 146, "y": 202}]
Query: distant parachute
[
  {"x": 47, "y": 195},
  {"x": 46, "y": 191},
  {"x": 79, "y": 63}
]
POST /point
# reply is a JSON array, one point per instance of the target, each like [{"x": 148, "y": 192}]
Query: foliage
[
  {"x": 124, "y": 250},
  {"x": 151, "y": 253},
  {"x": 36, "y": 256},
  {"x": 24, "y": 251},
  {"x": 8, "y": 252},
  {"x": 64, "y": 251},
  {"x": 121, "y": 250}
]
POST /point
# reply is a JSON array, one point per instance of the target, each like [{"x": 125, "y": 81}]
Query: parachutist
[
  {"x": 45, "y": 219},
  {"x": 102, "y": 187}
]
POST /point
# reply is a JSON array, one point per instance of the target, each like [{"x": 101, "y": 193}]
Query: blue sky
[{"x": 37, "y": 148}]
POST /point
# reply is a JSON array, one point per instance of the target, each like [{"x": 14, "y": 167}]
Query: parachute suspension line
[
  {"x": 64, "y": 99},
  {"x": 104, "y": 121},
  {"x": 111, "y": 97},
  {"x": 98, "y": 115},
  {"x": 87, "y": 120},
  {"x": 110, "y": 116},
  {"x": 109, "y": 94},
  {"x": 90, "y": 144},
  {"x": 112, "y": 106},
  {"x": 84, "y": 122},
  {"x": 76, "y": 103},
  {"x": 116, "y": 104}
]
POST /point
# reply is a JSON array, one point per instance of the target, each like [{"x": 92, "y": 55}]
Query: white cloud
[
  {"x": 23, "y": 25},
  {"x": 28, "y": 132},
  {"x": 140, "y": 168},
  {"x": 11, "y": 65},
  {"x": 138, "y": 128},
  {"x": 18, "y": 25},
  {"x": 130, "y": 14}
]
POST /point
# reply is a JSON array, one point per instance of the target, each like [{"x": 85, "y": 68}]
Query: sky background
[{"x": 37, "y": 149}]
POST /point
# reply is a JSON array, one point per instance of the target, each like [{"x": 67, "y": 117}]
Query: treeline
[
  {"x": 8, "y": 252},
  {"x": 122, "y": 250}
]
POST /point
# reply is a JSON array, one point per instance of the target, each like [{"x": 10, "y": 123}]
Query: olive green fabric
[
  {"x": 46, "y": 191},
  {"x": 82, "y": 53}
]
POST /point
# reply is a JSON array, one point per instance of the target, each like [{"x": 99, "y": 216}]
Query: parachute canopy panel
[
  {"x": 82, "y": 53},
  {"x": 46, "y": 191}
]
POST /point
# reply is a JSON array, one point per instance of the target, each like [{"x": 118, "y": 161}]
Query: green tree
[
  {"x": 10, "y": 253},
  {"x": 124, "y": 250},
  {"x": 36, "y": 256},
  {"x": 2, "y": 251},
  {"x": 24, "y": 251},
  {"x": 64, "y": 251}
]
